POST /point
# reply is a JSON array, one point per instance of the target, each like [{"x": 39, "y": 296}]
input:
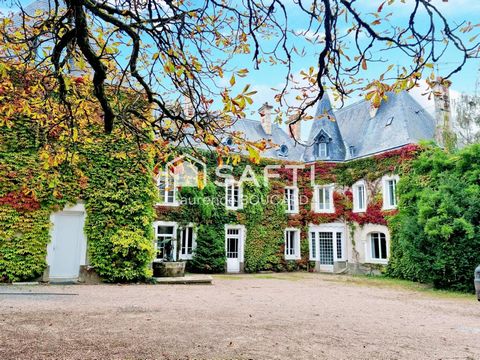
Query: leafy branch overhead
[{"x": 170, "y": 53}]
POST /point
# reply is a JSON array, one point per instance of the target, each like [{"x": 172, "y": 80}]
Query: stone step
[{"x": 187, "y": 279}]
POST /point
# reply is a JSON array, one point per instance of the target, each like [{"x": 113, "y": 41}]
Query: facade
[
  {"x": 330, "y": 225},
  {"x": 98, "y": 216}
]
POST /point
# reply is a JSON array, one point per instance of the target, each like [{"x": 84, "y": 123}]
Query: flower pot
[{"x": 169, "y": 269}]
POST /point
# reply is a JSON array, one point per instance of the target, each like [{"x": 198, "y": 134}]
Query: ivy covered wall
[
  {"x": 116, "y": 187},
  {"x": 265, "y": 220}
]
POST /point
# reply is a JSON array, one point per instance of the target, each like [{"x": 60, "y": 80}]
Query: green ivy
[
  {"x": 436, "y": 234},
  {"x": 119, "y": 195}
]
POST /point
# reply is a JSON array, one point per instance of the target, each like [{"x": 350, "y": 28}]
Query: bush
[
  {"x": 436, "y": 233},
  {"x": 131, "y": 256},
  {"x": 209, "y": 256}
]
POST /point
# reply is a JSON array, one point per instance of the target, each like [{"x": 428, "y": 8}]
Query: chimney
[
  {"x": 266, "y": 118},
  {"x": 443, "y": 126},
  {"x": 294, "y": 130},
  {"x": 187, "y": 107},
  {"x": 373, "y": 111}
]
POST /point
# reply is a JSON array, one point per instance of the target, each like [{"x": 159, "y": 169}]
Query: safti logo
[{"x": 187, "y": 171}]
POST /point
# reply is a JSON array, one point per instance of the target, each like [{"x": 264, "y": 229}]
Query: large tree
[{"x": 166, "y": 51}]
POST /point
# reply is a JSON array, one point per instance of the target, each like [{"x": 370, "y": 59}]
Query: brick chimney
[
  {"x": 266, "y": 118},
  {"x": 294, "y": 130},
  {"x": 441, "y": 96}
]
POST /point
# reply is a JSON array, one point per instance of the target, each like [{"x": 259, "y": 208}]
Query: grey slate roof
[
  {"x": 253, "y": 131},
  {"x": 399, "y": 121},
  {"x": 324, "y": 124}
]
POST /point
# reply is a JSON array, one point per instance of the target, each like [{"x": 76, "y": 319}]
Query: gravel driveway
[{"x": 281, "y": 316}]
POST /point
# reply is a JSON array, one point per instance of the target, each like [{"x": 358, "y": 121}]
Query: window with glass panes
[
  {"x": 233, "y": 196},
  {"x": 324, "y": 199},
  {"x": 165, "y": 236},
  {"x": 378, "y": 246},
  {"x": 166, "y": 188},
  {"x": 291, "y": 199},
  {"x": 292, "y": 243},
  {"x": 186, "y": 242}
]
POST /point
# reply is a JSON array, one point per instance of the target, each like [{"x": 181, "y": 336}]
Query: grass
[
  {"x": 358, "y": 280},
  {"x": 386, "y": 282}
]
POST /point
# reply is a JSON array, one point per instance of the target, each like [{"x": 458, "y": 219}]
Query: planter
[{"x": 169, "y": 269}]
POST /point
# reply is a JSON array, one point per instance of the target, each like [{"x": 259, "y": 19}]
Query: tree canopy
[{"x": 167, "y": 51}]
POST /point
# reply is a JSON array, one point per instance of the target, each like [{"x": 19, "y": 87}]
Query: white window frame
[
  {"x": 296, "y": 244},
  {"x": 386, "y": 192},
  {"x": 162, "y": 177},
  {"x": 194, "y": 242},
  {"x": 316, "y": 199},
  {"x": 312, "y": 253},
  {"x": 322, "y": 150},
  {"x": 356, "y": 198},
  {"x": 287, "y": 191},
  {"x": 242, "y": 236},
  {"x": 369, "y": 256},
  {"x": 173, "y": 224},
  {"x": 229, "y": 189},
  {"x": 334, "y": 228}
]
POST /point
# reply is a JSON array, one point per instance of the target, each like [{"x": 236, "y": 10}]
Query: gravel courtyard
[{"x": 278, "y": 316}]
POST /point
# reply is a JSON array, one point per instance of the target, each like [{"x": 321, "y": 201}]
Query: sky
[{"x": 268, "y": 77}]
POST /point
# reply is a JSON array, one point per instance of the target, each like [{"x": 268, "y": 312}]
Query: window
[
  {"x": 313, "y": 245},
  {"x": 378, "y": 246},
  {"x": 292, "y": 244},
  {"x": 187, "y": 243},
  {"x": 233, "y": 196},
  {"x": 339, "y": 246},
  {"x": 390, "y": 192},
  {"x": 165, "y": 244},
  {"x": 283, "y": 151},
  {"x": 359, "y": 197},
  {"x": 324, "y": 199},
  {"x": 322, "y": 150},
  {"x": 327, "y": 244},
  {"x": 291, "y": 199},
  {"x": 167, "y": 190}
]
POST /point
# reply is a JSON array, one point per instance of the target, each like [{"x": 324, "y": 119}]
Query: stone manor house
[{"x": 354, "y": 132}]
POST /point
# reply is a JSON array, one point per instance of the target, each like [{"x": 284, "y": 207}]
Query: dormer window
[
  {"x": 322, "y": 150},
  {"x": 321, "y": 145}
]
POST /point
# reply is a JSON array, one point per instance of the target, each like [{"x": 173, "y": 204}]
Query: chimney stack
[
  {"x": 266, "y": 118},
  {"x": 294, "y": 128},
  {"x": 187, "y": 107},
  {"x": 443, "y": 126}
]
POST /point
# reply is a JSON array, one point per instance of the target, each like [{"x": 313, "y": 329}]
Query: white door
[
  {"x": 68, "y": 245},
  {"x": 233, "y": 247},
  {"x": 327, "y": 245}
]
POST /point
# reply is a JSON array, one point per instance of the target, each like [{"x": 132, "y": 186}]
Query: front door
[
  {"x": 68, "y": 243},
  {"x": 233, "y": 247},
  {"x": 327, "y": 245}
]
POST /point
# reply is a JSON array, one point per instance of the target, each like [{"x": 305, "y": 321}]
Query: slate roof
[
  {"x": 399, "y": 121},
  {"x": 324, "y": 123}
]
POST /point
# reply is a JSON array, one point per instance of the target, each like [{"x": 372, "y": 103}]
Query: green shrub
[
  {"x": 130, "y": 257},
  {"x": 436, "y": 234}
]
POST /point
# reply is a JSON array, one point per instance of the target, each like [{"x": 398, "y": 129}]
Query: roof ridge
[{"x": 347, "y": 107}]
